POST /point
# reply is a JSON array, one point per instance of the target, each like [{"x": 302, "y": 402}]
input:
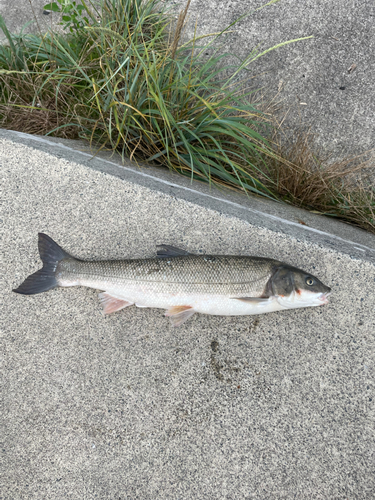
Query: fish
[{"x": 181, "y": 282}]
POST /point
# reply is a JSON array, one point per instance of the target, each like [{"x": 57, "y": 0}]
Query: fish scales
[{"x": 189, "y": 274}]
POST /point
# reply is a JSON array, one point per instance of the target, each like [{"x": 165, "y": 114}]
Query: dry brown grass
[
  {"x": 307, "y": 177},
  {"x": 181, "y": 22},
  {"x": 36, "y": 121},
  {"x": 24, "y": 112}
]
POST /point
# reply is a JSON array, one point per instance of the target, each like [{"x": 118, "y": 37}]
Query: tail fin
[{"x": 44, "y": 279}]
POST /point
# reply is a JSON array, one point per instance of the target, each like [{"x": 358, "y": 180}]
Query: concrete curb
[{"x": 278, "y": 217}]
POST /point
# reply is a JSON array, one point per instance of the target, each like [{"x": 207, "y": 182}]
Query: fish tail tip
[
  {"x": 44, "y": 279},
  {"x": 39, "y": 282}
]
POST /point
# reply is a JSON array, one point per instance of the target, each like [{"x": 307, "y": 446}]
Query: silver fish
[{"x": 180, "y": 282}]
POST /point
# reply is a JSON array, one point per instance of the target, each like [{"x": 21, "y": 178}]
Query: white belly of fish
[
  {"x": 213, "y": 304},
  {"x": 147, "y": 296}
]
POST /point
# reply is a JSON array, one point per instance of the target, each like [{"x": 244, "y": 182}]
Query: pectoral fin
[
  {"x": 112, "y": 304},
  {"x": 257, "y": 301},
  {"x": 179, "y": 314}
]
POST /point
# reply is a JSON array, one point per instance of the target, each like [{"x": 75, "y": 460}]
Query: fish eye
[{"x": 309, "y": 281}]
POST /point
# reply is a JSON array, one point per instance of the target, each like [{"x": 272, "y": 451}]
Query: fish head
[{"x": 295, "y": 288}]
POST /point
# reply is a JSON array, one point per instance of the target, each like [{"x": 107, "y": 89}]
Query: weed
[
  {"x": 124, "y": 80},
  {"x": 306, "y": 177}
]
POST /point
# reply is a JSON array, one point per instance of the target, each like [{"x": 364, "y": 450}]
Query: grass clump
[
  {"x": 306, "y": 177},
  {"x": 122, "y": 79},
  {"x": 127, "y": 85}
]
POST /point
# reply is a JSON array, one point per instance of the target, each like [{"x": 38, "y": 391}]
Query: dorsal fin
[{"x": 167, "y": 251}]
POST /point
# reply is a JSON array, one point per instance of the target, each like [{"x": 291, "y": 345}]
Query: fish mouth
[{"x": 324, "y": 297}]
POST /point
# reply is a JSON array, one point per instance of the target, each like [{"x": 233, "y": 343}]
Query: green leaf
[{"x": 52, "y": 6}]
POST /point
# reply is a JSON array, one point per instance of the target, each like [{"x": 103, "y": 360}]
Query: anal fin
[
  {"x": 112, "y": 304},
  {"x": 179, "y": 314}
]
